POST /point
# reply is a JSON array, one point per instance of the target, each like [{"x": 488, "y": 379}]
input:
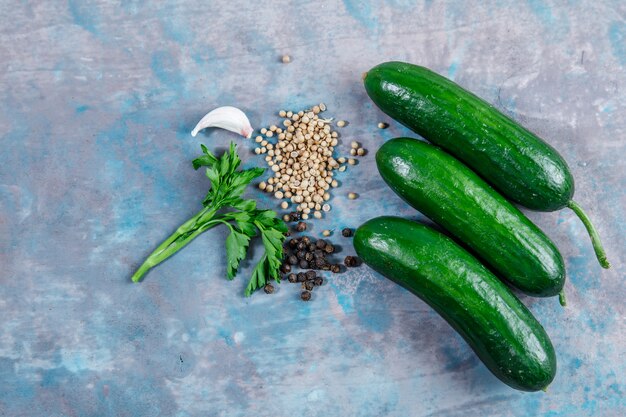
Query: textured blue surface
[{"x": 97, "y": 100}]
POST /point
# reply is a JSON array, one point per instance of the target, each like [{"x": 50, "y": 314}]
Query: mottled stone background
[{"x": 97, "y": 100}]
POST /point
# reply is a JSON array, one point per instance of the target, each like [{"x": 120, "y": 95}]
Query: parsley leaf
[
  {"x": 208, "y": 159},
  {"x": 236, "y": 247},
  {"x": 259, "y": 277}
]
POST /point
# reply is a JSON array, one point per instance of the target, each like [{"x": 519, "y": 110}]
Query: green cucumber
[
  {"x": 515, "y": 161},
  {"x": 455, "y": 197},
  {"x": 493, "y": 321}
]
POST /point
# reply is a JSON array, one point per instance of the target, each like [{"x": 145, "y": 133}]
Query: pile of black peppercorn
[{"x": 308, "y": 254}]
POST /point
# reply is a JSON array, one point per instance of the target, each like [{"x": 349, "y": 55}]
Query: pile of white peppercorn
[{"x": 302, "y": 160}]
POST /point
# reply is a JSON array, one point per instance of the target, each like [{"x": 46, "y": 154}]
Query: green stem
[
  {"x": 181, "y": 242},
  {"x": 177, "y": 240},
  {"x": 562, "y": 299},
  {"x": 593, "y": 233},
  {"x": 182, "y": 229}
]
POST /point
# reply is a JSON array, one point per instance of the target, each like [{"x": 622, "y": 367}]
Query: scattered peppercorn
[
  {"x": 293, "y": 243},
  {"x": 292, "y": 277},
  {"x": 326, "y": 232},
  {"x": 383, "y": 125},
  {"x": 285, "y": 268},
  {"x": 306, "y": 240},
  {"x": 320, "y": 262},
  {"x": 311, "y": 274},
  {"x": 321, "y": 244},
  {"x": 295, "y": 216},
  {"x": 308, "y": 285},
  {"x": 303, "y": 264},
  {"x": 286, "y": 59},
  {"x": 329, "y": 248},
  {"x": 351, "y": 261},
  {"x": 308, "y": 257},
  {"x": 301, "y": 245},
  {"x": 269, "y": 288},
  {"x": 301, "y": 226},
  {"x": 305, "y": 295},
  {"x": 335, "y": 268},
  {"x": 293, "y": 260},
  {"x": 318, "y": 254},
  {"x": 318, "y": 281},
  {"x": 300, "y": 254},
  {"x": 301, "y": 277},
  {"x": 347, "y": 232}
]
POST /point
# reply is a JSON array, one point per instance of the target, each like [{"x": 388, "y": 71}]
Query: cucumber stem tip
[
  {"x": 562, "y": 299},
  {"x": 593, "y": 234}
]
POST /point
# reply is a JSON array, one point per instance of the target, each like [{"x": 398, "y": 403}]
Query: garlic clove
[{"x": 226, "y": 117}]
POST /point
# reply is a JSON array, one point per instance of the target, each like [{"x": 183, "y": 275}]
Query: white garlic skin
[{"x": 226, "y": 117}]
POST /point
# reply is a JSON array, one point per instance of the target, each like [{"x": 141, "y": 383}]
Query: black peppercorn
[
  {"x": 318, "y": 254},
  {"x": 347, "y": 232},
  {"x": 310, "y": 274},
  {"x": 305, "y": 295},
  {"x": 303, "y": 264},
  {"x": 285, "y": 268},
  {"x": 301, "y": 246},
  {"x": 308, "y": 285},
  {"x": 312, "y": 247},
  {"x": 326, "y": 267},
  {"x": 351, "y": 261},
  {"x": 318, "y": 281},
  {"x": 320, "y": 262},
  {"x": 329, "y": 248},
  {"x": 321, "y": 243},
  {"x": 292, "y": 277},
  {"x": 335, "y": 268},
  {"x": 301, "y": 277},
  {"x": 308, "y": 257},
  {"x": 301, "y": 226},
  {"x": 300, "y": 254},
  {"x": 293, "y": 243},
  {"x": 294, "y": 216},
  {"x": 293, "y": 260},
  {"x": 306, "y": 240},
  {"x": 269, "y": 288}
]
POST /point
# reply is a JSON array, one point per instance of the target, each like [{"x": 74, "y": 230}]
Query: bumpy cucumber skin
[
  {"x": 493, "y": 321},
  {"x": 514, "y": 160},
  {"x": 455, "y": 197}
]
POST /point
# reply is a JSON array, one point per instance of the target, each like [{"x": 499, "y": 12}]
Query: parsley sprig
[{"x": 224, "y": 205}]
